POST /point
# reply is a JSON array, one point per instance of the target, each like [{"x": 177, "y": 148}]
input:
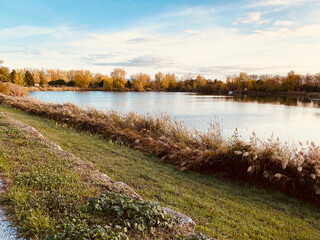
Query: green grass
[
  {"x": 46, "y": 197},
  {"x": 43, "y": 188},
  {"x": 240, "y": 211}
]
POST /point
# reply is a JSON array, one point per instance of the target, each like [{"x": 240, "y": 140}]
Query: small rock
[
  {"x": 186, "y": 225},
  {"x": 131, "y": 192}
]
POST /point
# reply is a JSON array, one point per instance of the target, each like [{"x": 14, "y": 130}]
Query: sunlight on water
[{"x": 288, "y": 118}]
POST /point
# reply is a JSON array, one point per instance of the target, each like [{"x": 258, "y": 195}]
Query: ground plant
[{"x": 46, "y": 197}]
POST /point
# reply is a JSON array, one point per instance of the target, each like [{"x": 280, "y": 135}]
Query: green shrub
[
  {"x": 71, "y": 83},
  {"x": 116, "y": 216},
  {"x": 59, "y": 82}
]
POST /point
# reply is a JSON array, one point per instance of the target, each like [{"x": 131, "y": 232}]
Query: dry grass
[
  {"x": 273, "y": 164},
  {"x": 61, "y": 88},
  {"x": 12, "y": 89}
]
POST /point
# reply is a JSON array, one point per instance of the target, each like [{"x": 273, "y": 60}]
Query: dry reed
[{"x": 12, "y": 89}]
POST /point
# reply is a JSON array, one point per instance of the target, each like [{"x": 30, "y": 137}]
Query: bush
[
  {"x": 12, "y": 89},
  {"x": 59, "y": 82},
  {"x": 71, "y": 83},
  {"x": 125, "y": 216}
]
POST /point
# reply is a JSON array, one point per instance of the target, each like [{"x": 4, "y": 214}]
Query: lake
[{"x": 290, "y": 119}]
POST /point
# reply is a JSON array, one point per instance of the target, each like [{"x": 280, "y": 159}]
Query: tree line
[{"x": 118, "y": 81}]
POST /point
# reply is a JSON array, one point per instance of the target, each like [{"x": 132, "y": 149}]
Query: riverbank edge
[
  {"x": 266, "y": 166},
  {"x": 91, "y": 176}
]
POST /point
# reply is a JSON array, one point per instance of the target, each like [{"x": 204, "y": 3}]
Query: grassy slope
[
  {"x": 240, "y": 211},
  {"x": 51, "y": 194}
]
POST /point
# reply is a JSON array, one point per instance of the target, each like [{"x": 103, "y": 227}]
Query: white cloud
[
  {"x": 307, "y": 31},
  {"x": 252, "y": 18},
  {"x": 284, "y": 3},
  {"x": 282, "y": 23},
  {"x": 165, "y": 44}
]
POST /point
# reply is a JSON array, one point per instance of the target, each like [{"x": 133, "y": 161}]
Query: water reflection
[
  {"x": 267, "y": 99},
  {"x": 288, "y": 101},
  {"x": 290, "y": 118}
]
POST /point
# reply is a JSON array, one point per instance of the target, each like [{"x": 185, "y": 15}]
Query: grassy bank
[
  {"x": 272, "y": 164},
  {"x": 50, "y": 194},
  {"x": 223, "y": 209}
]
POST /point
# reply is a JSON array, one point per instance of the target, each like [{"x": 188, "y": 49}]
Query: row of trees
[
  {"x": 117, "y": 80},
  {"x": 21, "y": 77},
  {"x": 271, "y": 83}
]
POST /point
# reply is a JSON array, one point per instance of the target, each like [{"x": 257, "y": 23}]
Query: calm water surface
[{"x": 288, "y": 118}]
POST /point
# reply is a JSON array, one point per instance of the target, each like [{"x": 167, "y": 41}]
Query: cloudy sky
[{"x": 212, "y": 38}]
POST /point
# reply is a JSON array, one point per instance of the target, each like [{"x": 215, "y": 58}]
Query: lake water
[{"x": 288, "y": 118}]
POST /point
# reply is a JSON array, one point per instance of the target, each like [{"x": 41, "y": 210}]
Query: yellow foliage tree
[
  {"x": 107, "y": 83},
  {"x": 43, "y": 79},
  {"x": 165, "y": 80},
  {"x": 118, "y": 76},
  {"x": 158, "y": 79},
  {"x": 201, "y": 81},
  {"x": 140, "y": 81},
  {"x": 82, "y": 78},
  {"x": 172, "y": 80}
]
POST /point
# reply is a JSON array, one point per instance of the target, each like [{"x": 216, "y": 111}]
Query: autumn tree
[
  {"x": 201, "y": 82},
  {"x": 317, "y": 81},
  {"x": 140, "y": 81},
  {"x": 107, "y": 82},
  {"x": 158, "y": 79},
  {"x": 71, "y": 74},
  {"x": 4, "y": 74},
  {"x": 82, "y": 78},
  {"x": 14, "y": 77},
  {"x": 96, "y": 80},
  {"x": 172, "y": 80},
  {"x": 29, "y": 78},
  {"x": 118, "y": 76},
  {"x": 42, "y": 78},
  {"x": 22, "y": 75},
  {"x": 241, "y": 80},
  {"x": 165, "y": 81},
  {"x": 36, "y": 76}
]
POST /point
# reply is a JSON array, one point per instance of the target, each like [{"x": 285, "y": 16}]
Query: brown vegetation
[
  {"x": 12, "y": 89},
  {"x": 58, "y": 88},
  {"x": 291, "y": 170}
]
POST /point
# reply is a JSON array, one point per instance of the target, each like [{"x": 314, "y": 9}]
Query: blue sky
[{"x": 212, "y": 38}]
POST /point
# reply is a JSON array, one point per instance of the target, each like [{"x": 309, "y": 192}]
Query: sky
[{"x": 211, "y": 38}]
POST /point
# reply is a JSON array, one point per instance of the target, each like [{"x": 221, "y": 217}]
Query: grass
[
  {"x": 222, "y": 208},
  {"x": 48, "y": 197}
]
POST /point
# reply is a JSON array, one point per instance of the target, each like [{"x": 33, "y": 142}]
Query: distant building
[{"x": 36, "y": 85}]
